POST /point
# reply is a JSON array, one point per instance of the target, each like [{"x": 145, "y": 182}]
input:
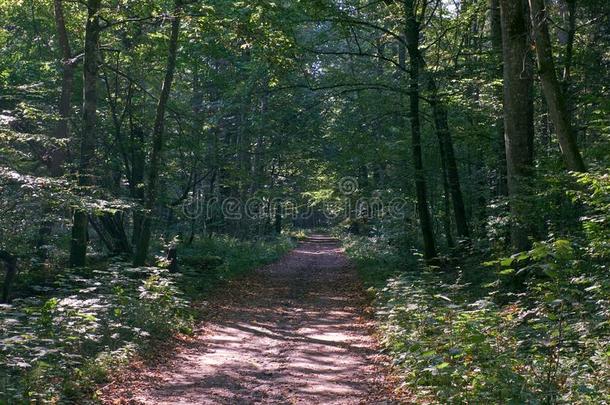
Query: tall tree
[
  {"x": 518, "y": 114},
  {"x": 158, "y": 139},
  {"x": 553, "y": 92},
  {"x": 67, "y": 83},
  {"x": 56, "y": 155},
  {"x": 496, "y": 43},
  {"x": 78, "y": 247},
  {"x": 412, "y": 32},
  {"x": 443, "y": 133}
]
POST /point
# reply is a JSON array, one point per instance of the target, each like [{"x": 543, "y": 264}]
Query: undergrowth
[
  {"x": 530, "y": 328},
  {"x": 548, "y": 344},
  {"x": 57, "y": 346}
]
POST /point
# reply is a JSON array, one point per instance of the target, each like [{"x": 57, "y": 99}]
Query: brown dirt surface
[{"x": 290, "y": 333}]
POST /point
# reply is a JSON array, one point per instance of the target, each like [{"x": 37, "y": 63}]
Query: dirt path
[{"x": 289, "y": 334}]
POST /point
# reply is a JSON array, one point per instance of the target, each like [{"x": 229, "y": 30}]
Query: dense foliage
[
  {"x": 69, "y": 333},
  {"x": 462, "y": 145},
  {"x": 529, "y": 328}
]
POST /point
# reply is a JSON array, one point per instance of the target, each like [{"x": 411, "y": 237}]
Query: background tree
[
  {"x": 518, "y": 115},
  {"x": 78, "y": 247}
]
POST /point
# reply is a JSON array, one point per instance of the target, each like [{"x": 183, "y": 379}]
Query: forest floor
[{"x": 293, "y": 332}]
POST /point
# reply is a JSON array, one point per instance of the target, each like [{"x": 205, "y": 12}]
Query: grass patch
[{"x": 209, "y": 262}]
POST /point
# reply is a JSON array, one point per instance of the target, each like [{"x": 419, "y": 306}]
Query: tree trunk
[
  {"x": 172, "y": 258},
  {"x": 518, "y": 115},
  {"x": 136, "y": 181},
  {"x": 441, "y": 124},
  {"x": 111, "y": 230},
  {"x": 78, "y": 247},
  {"x": 277, "y": 225},
  {"x": 555, "y": 98},
  {"x": 446, "y": 201},
  {"x": 143, "y": 243},
  {"x": 57, "y": 155},
  {"x": 571, "y": 34},
  {"x": 10, "y": 264},
  {"x": 496, "y": 41},
  {"x": 412, "y": 38}
]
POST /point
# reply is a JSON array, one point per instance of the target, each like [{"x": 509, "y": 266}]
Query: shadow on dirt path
[{"x": 291, "y": 333}]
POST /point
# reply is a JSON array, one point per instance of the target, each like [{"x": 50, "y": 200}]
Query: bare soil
[{"x": 290, "y": 333}]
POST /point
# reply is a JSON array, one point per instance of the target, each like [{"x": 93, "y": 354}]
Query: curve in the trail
[{"x": 291, "y": 333}]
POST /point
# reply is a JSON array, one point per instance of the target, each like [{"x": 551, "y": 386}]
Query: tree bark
[
  {"x": 143, "y": 244},
  {"x": 277, "y": 224},
  {"x": 10, "y": 263},
  {"x": 571, "y": 34},
  {"x": 57, "y": 155},
  {"x": 78, "y": 247},
  {"x": 496, "y": 42},
  {"x": 412, "y": 38},
  {"x": 441, "y": 124},
  {"x": 518, "y": 115},
  {"x": 136, "y": 181},
  {"x": 110, "y": 228},
  {"x": 555, "y": 98},
  {"x": 172, "y": 258},
  {"x": 446, "y": 200}
]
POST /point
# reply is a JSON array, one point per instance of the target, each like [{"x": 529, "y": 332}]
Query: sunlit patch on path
[{"x": 289, "y": 334}]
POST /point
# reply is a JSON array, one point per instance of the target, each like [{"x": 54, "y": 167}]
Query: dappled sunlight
[{"x": 293, "y": 337}]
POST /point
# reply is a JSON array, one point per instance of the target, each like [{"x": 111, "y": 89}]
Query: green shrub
[
  {"x": 202, "y": 263},
  {"x": 530, "y": 328},
  {"x": 57, "y": 346}
]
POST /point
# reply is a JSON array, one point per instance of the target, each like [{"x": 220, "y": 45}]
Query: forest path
[{"x": 291, "y": 333}]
